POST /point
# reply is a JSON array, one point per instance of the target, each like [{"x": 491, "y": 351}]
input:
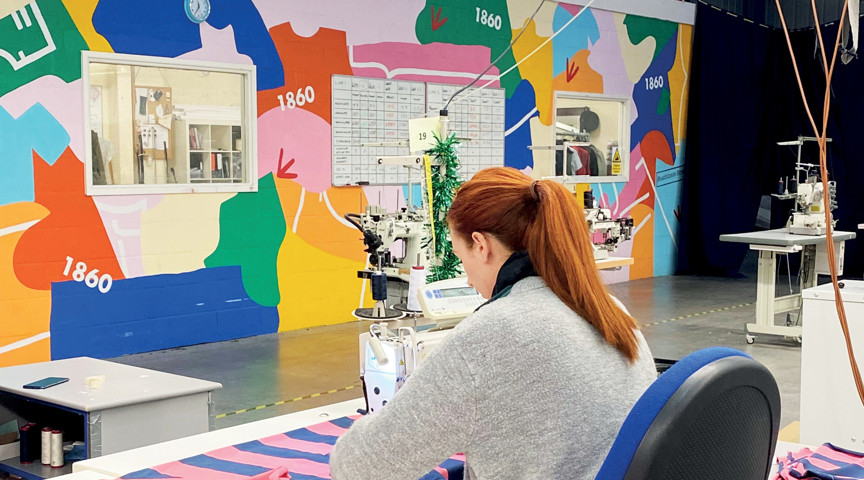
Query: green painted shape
[
  {"x": 40, "y": 58},
  {"x": 664, "y": 101},
  {"x": 462, "y": 28},
  {"x": 640, "y": 28},
  {"x": 251, "y": 231}
]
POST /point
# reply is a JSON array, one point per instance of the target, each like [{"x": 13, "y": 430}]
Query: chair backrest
[{"x": 715, "y": 414}]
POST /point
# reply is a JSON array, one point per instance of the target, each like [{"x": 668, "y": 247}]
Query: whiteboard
[
  {"x": 371, "y": 110},
  {"x": 477, "y": 120}
]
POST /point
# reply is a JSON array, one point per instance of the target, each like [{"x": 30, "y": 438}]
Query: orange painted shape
[
  {"x": 307, "y": 61},
  {"x": 586, "y": 79},
  {"x": 317, "y": 226},
  {"x": 24, "y": 312},
  {"x": 643, "y": 243},
  {"x": 73, "y": 228},
  {"x": 678, "y": 83}
]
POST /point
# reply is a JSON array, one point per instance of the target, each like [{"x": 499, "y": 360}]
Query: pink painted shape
[
  {"x": 327, "y": 428},
  {"x": 363, "y": 21},
  {"x": 300, "y": 135},
  {"x": 437, "y": 61},
  {"x": 284, "y": 441},
  {"x": 61, "y": 99},
  {"x": 217, "y": 46},
  {"x": 572, "y": 9},
  {"x": 121, "y": 216},
  {"x": 605, "y": 57},
  {"x": 296, "y": 465},
  {"x": 631, "y": 189}
]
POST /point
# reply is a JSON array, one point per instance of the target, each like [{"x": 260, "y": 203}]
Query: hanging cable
[
  {"x": 509, "y": 47},
  {"x": 823, "y": 154},
  {"x": 554, "y": 34}
]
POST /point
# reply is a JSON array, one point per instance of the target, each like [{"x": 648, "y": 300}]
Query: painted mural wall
[{"x": 195, "y": 268}]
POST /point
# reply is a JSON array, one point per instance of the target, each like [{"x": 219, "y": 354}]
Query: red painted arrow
[
  {"x": 571, "y": 73},
  {"x": 283, "y": 169},
  {"x": 436, "y": 19}
]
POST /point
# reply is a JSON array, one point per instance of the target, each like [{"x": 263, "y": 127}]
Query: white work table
[
  {"x": 133, "y": 407},
  {"x": 769, "y": 243},
  {"x": 122, "y": 463}
]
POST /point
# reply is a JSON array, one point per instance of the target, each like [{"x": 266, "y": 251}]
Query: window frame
[{"x": 248, "y": 119}]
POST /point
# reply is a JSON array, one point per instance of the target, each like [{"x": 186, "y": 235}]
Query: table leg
[{"x": 766, "y": 302}]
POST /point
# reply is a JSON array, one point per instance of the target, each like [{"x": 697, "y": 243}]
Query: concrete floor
[{"x": 292, "y": 371}]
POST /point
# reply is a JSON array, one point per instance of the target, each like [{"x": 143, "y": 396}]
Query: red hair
[{"x": 545, "y": 219}]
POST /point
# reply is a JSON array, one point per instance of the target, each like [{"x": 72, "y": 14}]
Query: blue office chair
[{"x": 715, "y": 414}]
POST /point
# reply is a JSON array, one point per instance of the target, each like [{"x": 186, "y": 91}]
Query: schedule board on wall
[
  {"x": 372, "y": 110},
  {"x": 376, "y": 110},
  {"x": 477, "y": 120}
]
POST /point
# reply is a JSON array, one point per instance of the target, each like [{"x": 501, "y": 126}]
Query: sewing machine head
[
  {"x": 605, "y": 231},
  {"x": 808, "y": 218},
  {"x": 381, "y": 229}
]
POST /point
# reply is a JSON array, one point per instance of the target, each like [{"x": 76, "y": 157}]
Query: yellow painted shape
[
  {"x": 81, "y": 12},
  {"x": 520, "y": 11},
  {"x": 544, "y": 160},
  {"x": 317, "y": 287},
  {"x": 679, "y": 86},
  {"x": 24, "y": 312},
  {"x": 643, "y": 243},
  {"x": 180, "y": 232},
  {"x": 537, "y": 69},
  {"x": 636, "y": 58}
]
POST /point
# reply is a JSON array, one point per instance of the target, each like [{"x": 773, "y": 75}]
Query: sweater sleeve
[{"x": 428, "y": 420}]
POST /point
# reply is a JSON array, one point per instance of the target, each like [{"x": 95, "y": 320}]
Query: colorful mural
[{"x": 111, "y": 275}]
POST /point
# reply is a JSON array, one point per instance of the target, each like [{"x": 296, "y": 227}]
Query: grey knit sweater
[{"x": 524, "y": 387}]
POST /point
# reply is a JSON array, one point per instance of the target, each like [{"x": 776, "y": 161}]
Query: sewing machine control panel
[{"x": 449, "y": 299}]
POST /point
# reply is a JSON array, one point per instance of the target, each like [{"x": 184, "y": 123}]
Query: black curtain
[{"x": 744, "y": 98}]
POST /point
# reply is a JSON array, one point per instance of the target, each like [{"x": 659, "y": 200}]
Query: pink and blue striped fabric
[
  {"x": 825, "y": 463},
  {"x": 304, "y": 454}
]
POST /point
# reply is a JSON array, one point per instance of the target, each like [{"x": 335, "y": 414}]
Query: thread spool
[
  {"x": 56, "y": 449},
  {"x": 25, "y": 455},
  {"x": 46, "y": 446},
  {"x": 379, "y": 286},
  {"x": 416, "y": 279}
]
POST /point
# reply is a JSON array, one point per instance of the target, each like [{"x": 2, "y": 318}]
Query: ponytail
[
  {"x": 544, "y": 218},
  {"x": 558, "y": 243}
]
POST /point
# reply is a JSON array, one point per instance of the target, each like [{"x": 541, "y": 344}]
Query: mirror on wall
[
  {"x": 165, "y": 125},
  {"x": 591, "y": 138}
]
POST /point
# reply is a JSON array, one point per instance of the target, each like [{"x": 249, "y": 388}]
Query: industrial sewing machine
[
  {"x": 605, "y": 231},
  {"x": 391, "y": 351},
  {"x": 381, "y": 229},
  {"x": 808, "y": 218}
]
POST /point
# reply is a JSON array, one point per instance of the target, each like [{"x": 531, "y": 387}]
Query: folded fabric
[{"x": 827, "y": 462}]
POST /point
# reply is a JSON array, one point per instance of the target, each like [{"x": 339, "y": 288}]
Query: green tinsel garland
[{"x": 445, "y": 181}]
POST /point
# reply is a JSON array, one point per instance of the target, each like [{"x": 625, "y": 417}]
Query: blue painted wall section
[
  {"x": 163, "y": 30},
  {"x": 154, "y": 313},
  {"x": 516, "y": 142},
  {"x": 36, "y": 130}
]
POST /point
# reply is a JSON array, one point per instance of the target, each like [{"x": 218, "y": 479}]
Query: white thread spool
[
  {"x": 56, "y": 449},
  {"x": 46, "y": 446},
  {"x": 416, "y": 279}
]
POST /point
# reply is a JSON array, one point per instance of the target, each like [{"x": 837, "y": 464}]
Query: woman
[{"x": 538, "y": 380}]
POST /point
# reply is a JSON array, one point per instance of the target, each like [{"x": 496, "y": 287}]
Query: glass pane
[
  {"x": 164, "y": 125},
  {"x": 589, "y": 130}
]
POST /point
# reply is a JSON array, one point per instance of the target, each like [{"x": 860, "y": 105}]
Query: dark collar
[{"x": 517, "y": 267}]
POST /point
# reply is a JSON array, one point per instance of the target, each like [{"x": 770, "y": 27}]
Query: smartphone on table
[{"x": 46, "y": 383}]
